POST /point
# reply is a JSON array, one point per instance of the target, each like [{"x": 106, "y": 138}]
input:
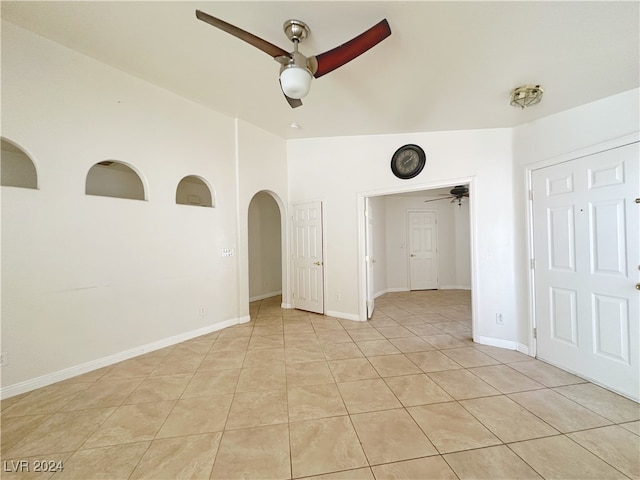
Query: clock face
[{"x": 408, "y": 161}]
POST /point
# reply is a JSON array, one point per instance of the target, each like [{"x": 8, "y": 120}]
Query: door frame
[
  {"x": 473, "y": 228},
  {"x": 529, "y": 169},
  {"x": 369, "y": 259}
]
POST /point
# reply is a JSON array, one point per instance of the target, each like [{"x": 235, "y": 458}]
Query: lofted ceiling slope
[{"x": 447, "y": 65}]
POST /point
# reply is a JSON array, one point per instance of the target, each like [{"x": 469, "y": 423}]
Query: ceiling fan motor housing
[
  {"x": 296, "y": 72},
  {"x": 459, "y": 190}
]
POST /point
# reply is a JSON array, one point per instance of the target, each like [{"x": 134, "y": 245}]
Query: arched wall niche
[
  {"x": 17, "y": 169},
  {"x": 111, "y": 178},
  {"x": 195, "y": 191}
]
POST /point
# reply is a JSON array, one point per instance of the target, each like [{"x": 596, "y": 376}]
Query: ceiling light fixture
[
  {"x": 295, "y": 81},
  {"x": 295, "y": 76},
  {"x": 526, "y": 96}
]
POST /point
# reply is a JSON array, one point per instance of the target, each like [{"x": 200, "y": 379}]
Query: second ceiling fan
[
  {"x": 296, "y": 70},
  {"x": 458, "y": 193}
]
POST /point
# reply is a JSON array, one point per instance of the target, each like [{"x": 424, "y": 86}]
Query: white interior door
[
  {"x": 586, "y": 244},
  {"x": 423, "y": 250},
  {"x": 369, "y": 259},
  {"x": 308, "y": 287}
]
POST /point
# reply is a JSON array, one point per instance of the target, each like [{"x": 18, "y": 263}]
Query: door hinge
[
  {"x": 533, "y": 263},
  {"x": 535, "y": 332},
  {"x": 368, "y": 303},
  {"x": 530, "y": 194}
]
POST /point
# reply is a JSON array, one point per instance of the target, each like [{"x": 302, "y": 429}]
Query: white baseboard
[
  {"x": 406, "y": 289},
  {"x": 64, "y": 374},
  {"x": 497, "y": 342},
  {"x": 524, "y": 349},
  {"x": 286, "y": 305},
  {"x": 265, "y": 295},
  {"x": 345, "y": 316},
  {"x": 454, "y": 287}
]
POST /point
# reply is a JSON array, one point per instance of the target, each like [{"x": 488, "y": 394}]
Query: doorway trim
[{"x": 473, "y": 228}]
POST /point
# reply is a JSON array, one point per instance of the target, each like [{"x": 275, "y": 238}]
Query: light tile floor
[{"x": 293, "y": 394}]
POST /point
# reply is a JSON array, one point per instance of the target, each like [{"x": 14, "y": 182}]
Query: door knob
[
  {"x": 317, "y": 263},
  {"x": 412, "y": 255},
  {"x": 637, "y": 286}
]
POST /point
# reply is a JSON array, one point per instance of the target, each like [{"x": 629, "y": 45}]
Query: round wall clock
[{"x": 408, "y": 161}]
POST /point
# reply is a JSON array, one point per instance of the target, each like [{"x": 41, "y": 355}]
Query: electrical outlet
[
  {"x": 4, "y": 358},
  {"x": 203, "y": 311},
  {"x": 338, "y": 297},
  {"x": 499, "y": 319}
]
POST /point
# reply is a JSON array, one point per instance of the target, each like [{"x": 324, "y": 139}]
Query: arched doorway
[{"x": 265, "y": 247}]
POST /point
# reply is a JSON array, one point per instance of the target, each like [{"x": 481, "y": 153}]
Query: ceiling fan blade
[
  {"x": 268, "y": 48},
  {"x": 335, "y": 58},
  {"x": 436, "y": 199},
  {"x": 293, "y": 102}
]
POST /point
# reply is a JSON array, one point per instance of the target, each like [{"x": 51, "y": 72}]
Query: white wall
[
  {"x": 262, "y": 167},
  {"x": 346, "y": 168},
  {"x": 544, "y": 141},
  {"x": 86, "y": 277},
  {"x": 265, "y": 247}
]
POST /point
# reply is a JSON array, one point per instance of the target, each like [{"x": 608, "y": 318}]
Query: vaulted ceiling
[{"x": 446, "y": 66}]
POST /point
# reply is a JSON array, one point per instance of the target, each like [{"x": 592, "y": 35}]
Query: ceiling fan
[
  {"x": 296, "y": 70},
  {"x": 456, "y": 193}
]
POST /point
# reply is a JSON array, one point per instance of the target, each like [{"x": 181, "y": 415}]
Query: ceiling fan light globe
[{"x": 295, "y": 81}]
